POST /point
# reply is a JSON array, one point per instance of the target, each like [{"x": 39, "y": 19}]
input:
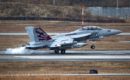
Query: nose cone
[
  {"x": 110, "y": 32},
  {"x": 116, "y": 31}
]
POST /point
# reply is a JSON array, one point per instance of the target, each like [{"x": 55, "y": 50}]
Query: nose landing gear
[{"x": 93, "y": 46}]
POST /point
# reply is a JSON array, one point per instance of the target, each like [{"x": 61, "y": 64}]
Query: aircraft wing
[
  {"x": 73, "y": 35},
  {"x": 67, "y": 41},
  {"x": 62, "y": 42},
  {"x": 76, "y": 35}
]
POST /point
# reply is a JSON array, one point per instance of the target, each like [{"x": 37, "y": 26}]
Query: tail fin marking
[{"x": 42, "y": 35}]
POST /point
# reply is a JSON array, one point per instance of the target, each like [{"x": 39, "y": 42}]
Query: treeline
[
  {"x": 54, "y": 9},
  {"x": 99, "y": 19},
  {"x": 89, "y": 3}
]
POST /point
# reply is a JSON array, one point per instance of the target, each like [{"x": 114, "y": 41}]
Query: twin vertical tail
[{"x": 36, "y": 34}]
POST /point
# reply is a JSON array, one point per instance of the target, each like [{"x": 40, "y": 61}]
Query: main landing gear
[{"x": 62, "y": 51}]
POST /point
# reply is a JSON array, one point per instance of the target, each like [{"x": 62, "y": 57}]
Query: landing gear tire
[
  {"x": 93, "y": 71},
  {"x": 93, "y": 46},
  {"x": 63, "y": 51},
  {"x": 57, "y": 51}
]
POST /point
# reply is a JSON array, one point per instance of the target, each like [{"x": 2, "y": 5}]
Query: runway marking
[
  {"x": 124, "y": 41},
  {"x": 65, "y": 58},
  {"x": 101, "y": 74},
  {"x": 87, "y": 52},
  {"x": 39, "y": 55}
]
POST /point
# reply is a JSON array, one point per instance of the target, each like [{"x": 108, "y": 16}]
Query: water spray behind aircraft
[{"x": 18, "y": 50}]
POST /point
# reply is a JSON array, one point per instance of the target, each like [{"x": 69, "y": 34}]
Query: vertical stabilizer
[{"x": 36, "y": 34}]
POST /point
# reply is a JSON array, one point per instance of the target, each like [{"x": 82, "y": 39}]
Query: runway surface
[
  {"x": 68, "y": 52},
  {"x": 69, "y": 56},
  {"x": 17, "y": 34},
  {"x": 100, "y": 74},
  {"x": 65, "y": 58}
]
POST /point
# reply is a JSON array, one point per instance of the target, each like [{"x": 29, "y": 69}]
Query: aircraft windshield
[{"x": 91, "y": 28}]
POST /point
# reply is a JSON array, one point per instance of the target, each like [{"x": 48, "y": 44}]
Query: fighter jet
[{"x": 60, "y": 43}]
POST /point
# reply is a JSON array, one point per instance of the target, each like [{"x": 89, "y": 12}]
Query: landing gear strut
[
  {"x": 57, "y": 51},
  {"x": 93, "y": 46},
  {"x": 63, "y": 51}
]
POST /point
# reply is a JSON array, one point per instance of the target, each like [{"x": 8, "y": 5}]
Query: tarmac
[
  {"x": 100, "y": 74},
  {"x": 39, "y": 55}
]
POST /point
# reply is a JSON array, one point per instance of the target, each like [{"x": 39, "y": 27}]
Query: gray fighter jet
[{"x": 75, "y": 39}]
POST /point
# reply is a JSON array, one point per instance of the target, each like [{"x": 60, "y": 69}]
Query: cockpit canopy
[{"x": 91, "y": 28}]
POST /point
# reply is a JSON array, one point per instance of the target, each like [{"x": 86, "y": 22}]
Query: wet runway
[{"x": 69, "y": 56}]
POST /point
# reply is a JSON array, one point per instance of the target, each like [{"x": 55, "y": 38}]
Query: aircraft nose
[{"x": 117, "y": 31}]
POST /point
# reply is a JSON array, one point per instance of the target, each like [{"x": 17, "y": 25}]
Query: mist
[
  {"x": 23, "y": 50},
  {"x": 18, "y": 50}
]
